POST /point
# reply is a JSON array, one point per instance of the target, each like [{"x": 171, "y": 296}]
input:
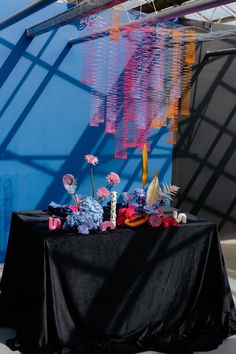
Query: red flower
[
  {"x": 125, "y": 213},
  {"x": 120, "y": 220},
  {"x": 167, "y": 222}
]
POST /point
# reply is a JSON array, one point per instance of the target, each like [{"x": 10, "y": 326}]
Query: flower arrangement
[
  {"x": 89, "y": 212},
  {"x": 112, "y": 180},
  {"x": 88, "y": 217},
  {"x": 141, "y": 206},
  {"x": 147, "y": 204}
]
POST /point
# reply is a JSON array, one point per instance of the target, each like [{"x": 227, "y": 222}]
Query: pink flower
[
  {"x": 103, "y": 192},
  {"x": 93, "y": 160},
  {"x": 113, "y": 178}
]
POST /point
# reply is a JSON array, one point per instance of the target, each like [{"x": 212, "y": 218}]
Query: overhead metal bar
[
  {"x": 229, "y": 10},
  {"x": 217, "y": 53},
  {"x": 131, "y": 4},
  {"x": 202, "y": 17},
  {"x": 169, "y": 13},
  {"x": 215, "y": 35},
  {"x": 225, "y": 19},
  {"x": 77, "y": 12},
  {"x": 26, "y": 11}
]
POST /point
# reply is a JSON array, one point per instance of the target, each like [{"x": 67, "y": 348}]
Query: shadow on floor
[
  {"x": 6, "y": 333},
  {"x": 228, "y": 347}
]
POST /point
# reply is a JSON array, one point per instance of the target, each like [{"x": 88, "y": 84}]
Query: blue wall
[{"x": 44, "y": 117}]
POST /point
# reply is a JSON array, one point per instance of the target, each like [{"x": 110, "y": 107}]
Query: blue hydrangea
[
  {"x": 151, "y": 209},
  {"x": 138, "y": 192},
  {"x": 139, "y": 195},
  {"x": 55, "y": 205},
  {"x": 89, "y": 216},
  {"x": 83, "y": 229},
  {"x": 72, "y": 220}
]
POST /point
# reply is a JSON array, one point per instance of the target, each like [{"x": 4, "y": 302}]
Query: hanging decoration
[
  {"x": 115, "y": 24},
  {"x": 144, "y": 166},
  {"x": 188, "y": 61},
  {"x": 96, "y": 61},
  {"x": 145, "y": 80}
]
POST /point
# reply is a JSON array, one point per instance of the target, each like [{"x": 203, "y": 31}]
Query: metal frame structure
[
  {"x": 221, "y": 19},
  {"x": 220, "y": 52},
  {"x": 77, "y": 12},
  {"x": 86, "y": 8},
  {"x": 169, "y": 13}
]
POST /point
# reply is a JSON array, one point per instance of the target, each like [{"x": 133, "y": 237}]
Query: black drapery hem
[{"x": 192, "y": 340}]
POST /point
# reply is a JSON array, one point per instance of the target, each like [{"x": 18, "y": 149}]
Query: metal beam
[
  {"x": 131, "y": 4},
  {"x": 229, "y": 10},
  {"x": 26, "y": 11},
  {"x": 217, "y": 53},
  {"x": 216, "y": 35},
  {"x": 169, "y": 13},
  {"x": 225, "y": 19},
  {"x": 202, "y": 17},
  {"x": 77, "y": 12}
]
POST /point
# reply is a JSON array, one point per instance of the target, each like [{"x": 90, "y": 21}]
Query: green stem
[
  {"x": 74, "y": 196},
  {"x": 92, "y": 179},
  {"x": 100, "y": 199}
]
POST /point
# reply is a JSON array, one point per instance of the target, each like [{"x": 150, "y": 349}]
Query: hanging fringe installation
[
  {"x": 98, "y": 63},
  {"x": 188, "y": 61},
  {"x": 115, "y": 24},
  {"x": 146, "y": 78}
]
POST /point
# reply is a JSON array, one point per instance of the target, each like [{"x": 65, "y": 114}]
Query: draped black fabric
[{"x": 126, "y": 291}]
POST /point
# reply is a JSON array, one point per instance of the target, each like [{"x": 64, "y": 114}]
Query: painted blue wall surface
[{"x": 44, "y": 121}]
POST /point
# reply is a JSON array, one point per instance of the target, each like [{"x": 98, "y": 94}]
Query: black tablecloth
[{"x": 125, "y": 291}]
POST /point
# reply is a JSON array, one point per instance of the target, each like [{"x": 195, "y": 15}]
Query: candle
[
  {"x": 175, "y": 214},
  {"x": 113, "y": 207},
  {"x": 182, "y": 218}
]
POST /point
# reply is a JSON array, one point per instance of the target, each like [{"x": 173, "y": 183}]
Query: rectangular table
[{"x": 126, "y": 291}]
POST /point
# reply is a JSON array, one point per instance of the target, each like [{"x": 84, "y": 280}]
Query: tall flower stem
[
  {"x": 92, "y": 179},
  {"x": 74, "y": 196}
]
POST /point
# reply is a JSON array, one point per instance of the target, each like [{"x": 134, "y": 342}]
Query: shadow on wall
[
  {"x": 204, "y": 164},
  {"x": 11, "y": 62},
  {"x": 13, "y": 58},
  {"x": 44, "y": 130},
  {"x": 33, "y": 100},
  {"x": 8, "y": 66},
  {"x": 130, "y": 175},
  {"x": 103, "y": 145}
]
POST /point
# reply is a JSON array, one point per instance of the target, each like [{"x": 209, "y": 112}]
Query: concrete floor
[{"x": 229, "y": 345}]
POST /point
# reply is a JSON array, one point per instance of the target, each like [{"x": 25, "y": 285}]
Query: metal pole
[
  {"x": 163, "y": 15},
  {"x": 26, "y": 11},
  {"x": 220, "y": 52}
]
